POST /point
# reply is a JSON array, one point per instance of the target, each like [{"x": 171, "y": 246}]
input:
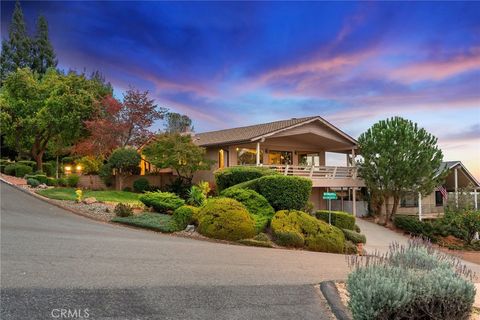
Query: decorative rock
[
  {"x": 89, "y": 200},
  {"x": 42, "y": 186},
  {"x": 190, "y": 228}
]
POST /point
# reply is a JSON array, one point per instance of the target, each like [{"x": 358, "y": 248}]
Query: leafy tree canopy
[
  {"x": 399, "y": 157},
  {"x": 178, "y": 123},
  {"x": 178, "y": 152}
]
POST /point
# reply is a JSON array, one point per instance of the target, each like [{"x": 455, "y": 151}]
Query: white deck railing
[{"x": 315, "y": 172}]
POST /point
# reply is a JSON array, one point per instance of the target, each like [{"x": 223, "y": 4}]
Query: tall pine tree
[
  {"x": 43, "y": 54},
  {"x": 17, "y": 51}
]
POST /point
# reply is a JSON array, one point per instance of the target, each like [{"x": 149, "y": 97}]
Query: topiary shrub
[
  {"x": 40, "y": 177},
  {"x": 227, "y": 219},
  {"x": 227, "y": 177},
  {"x": 298, "y": 229},
  {"x": 184, "y": 215},
  {"x": 410, "y": 283},
  {"x": 162, "y": 202},
  {"x": 123, "y": 210},
  {"x": 72, "y": 180},
  {"x": 282, "y": 192},
  {"x": 259, "y": 208},
  {"x": 339, "y": 219},
  {"x": 33, "y": 182},
  {"x": 18, "y": 170},
  {"x": 31, "y": 164},
  {"x": 10, "y": 169},
  {"x": 141, "y": 185},
  {"x": 354, "y": 236}
]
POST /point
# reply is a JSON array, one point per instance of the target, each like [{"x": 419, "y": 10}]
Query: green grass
[
  {"x": 101, "y": 195},
  {"x": 151, "y": 221}
]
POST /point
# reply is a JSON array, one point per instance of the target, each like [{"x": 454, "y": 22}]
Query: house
[
  {"x": 459, "y": 183},
  {"x": 296, "y": 147}
]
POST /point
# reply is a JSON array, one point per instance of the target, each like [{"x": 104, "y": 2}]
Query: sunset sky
[{"x": 231, "y": 64}]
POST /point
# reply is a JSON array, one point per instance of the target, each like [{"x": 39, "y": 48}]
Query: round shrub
[
  {"x": 29, "y": 163},
  {"x": 298, "y": 229},
  {"x": 227, "y": 177},
  {"x": 51, "y": 182},
  {"x": 33, "y": 182},
  {"x": 354, "y": 236},
  {"x": 339, "y": 219},
  {"x": 62, "y": 182},
  {"x": 285, "y": 192},
  {"x": 184, "y": 215},
  {"x": 123, "y": 210},
  {"x": 141, "y": 185},
  {"x": 10, "y": 169},
  {"x": 18, "y": 170},
  {"x": 72, "y": 180},
  {"x": 227, "y": 219},
  {"x": 259, "y": 208},
  {"x": 162, "y": 202},
  {"x": 40, "y": 177}
]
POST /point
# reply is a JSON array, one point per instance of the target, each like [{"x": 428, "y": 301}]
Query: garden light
[{"x": 79, "y": 168}]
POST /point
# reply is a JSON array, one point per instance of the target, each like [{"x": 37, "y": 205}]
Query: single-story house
[
  {"x": 458, "y": 181},
  {"x": 295, "y": 146}
]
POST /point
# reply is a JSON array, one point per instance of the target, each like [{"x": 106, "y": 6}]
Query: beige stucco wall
[
  {"x": 207, "y": 175},
  {"x": 428, "y": 207},
  {"x": 316, "y": 198}
]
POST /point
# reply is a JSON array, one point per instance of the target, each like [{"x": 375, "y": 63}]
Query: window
[
  {"x": 279, "y": 157},
  {"x": 438, "y": 199},
  {"x": 409, "y": 200},
  {"x": 309, "y": 159},
  {"x": 248, "y": 156},
  {"x": 221, "y": 159}
]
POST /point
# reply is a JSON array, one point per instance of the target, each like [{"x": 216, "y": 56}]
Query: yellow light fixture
[
  {"x": 68, "y": 168},
  {"x": 79, "y": 168}
]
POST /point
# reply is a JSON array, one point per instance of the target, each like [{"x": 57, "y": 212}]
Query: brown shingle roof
[{"x": 242, "y": 134}]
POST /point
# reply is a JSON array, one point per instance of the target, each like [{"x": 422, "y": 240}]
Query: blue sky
[{"x": 228, "y": 64}]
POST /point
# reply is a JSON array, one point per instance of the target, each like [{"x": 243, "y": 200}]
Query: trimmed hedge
[
  {"x": 354, "y": 236},
  {"x": 227, "y": 219},
  {"x": 339, "y": 219},
  {"x": 72, "y": 180},
  {"x": 31, "y": 164},
  {"x": 40, "y": 177},
  {"x": 33, "y": 182},
  {"x": 184, "y": 215},
  {"x": 228, "y": 177},
  {"x": 258, "y": 207},
  {"x": 52, "y": 182},
  {"x": 162, "y": 202},
  {"x": 409, "y": 224},
  {"x": 18, "y": 170},
  {"x": 141, "y": 185},
  {"x": 298, "y": 229}
]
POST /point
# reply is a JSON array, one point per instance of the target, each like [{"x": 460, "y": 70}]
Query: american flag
[{"x": 443, "y": 191}]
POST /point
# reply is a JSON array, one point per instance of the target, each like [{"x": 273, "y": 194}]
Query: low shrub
[
  {"x": 18, "y": 170},
  {"x": 227, "y": 219},
  {"x": 184, "y": 215},
  {"x": 256, "y": 243},
  {"x": 40, "y": 177},
  {"x": 49, "y": 169},
  {"x": 127, "y": 189},
  {"x": 72, "y": 180},
  {"x": 162, "y": 202},
  {"x": 354, "y": 236},
  {"x": 259, "y": 208},
  {"x": 151, "y": 221},
  {"x": 357, "y": 228},
  {"x": 33, "y": 182},
  {"x": 410, "y": 283},
  {"x": 62, "y": 182},
  {"x": 339, "y": 219},
  {"x": 298, "y": 229},
  {"x": 350, "y": 247},
  {"x": 31, "y": 164},
  {"x": 141, "y": 185},
  {"x": 179, "y": 186},
  {"x": 52, "y": 182},
  {"x": 123, "y": 210},
  {"x": 227, "y": 177}
]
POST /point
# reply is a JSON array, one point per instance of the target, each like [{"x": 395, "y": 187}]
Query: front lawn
[
  {"x": 100, "y": 195},
  {"x": 149, "y": 220}
]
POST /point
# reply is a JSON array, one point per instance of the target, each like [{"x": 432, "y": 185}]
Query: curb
[
  {"x": 330, "y": 292},
  {"x": 52, "y": 202}
]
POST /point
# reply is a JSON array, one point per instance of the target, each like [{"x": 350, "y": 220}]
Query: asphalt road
[{"x": 52, "y": 259}]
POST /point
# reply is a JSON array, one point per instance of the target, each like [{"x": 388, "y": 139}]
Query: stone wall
[{"x": 92, "y": 182}]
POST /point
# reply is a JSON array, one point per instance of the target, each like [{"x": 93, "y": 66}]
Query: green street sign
[{"x": 329, "y": 196}]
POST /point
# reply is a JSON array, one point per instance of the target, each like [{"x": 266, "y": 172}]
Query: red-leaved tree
[{"x": 120, "y": 124}]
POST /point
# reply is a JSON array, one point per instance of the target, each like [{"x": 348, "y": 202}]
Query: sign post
[{"x": 329, "y": 196}]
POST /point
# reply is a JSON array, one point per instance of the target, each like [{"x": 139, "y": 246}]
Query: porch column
[
  {"x": 341, "y": 189},
  {"x": 475, "y": 198},
  {"x": 420, "y": 206},
  {"x": 354, "y": 203},
  {"x": 258, "y": 153},
  {"x": 353, "y": 157},
  {"x": 456, "y": 187}
]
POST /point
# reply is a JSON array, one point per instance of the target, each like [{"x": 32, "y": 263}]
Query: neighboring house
[
  {"x": 296, "y": 147},
  {"x": 458, "y": 183}
]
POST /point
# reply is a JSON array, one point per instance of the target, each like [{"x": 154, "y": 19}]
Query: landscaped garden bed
[{"x": 110, "y": 196}]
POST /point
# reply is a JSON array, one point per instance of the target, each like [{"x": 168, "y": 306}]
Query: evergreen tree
[
  {"x": 43, "y": 54},
  {"x": 16, "y": 52}
]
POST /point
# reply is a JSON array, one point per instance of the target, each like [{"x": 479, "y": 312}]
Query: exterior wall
[
  {"x": 92, "y": 182},
  {"x": 316, "y": 198},
  {"x": 207, "y": 175},
  {"x": 158, "y": 180},
  {"x": 428, "y": 207}
]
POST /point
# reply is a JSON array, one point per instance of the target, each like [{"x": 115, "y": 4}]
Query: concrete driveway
[{"x": 52, "y": 259}]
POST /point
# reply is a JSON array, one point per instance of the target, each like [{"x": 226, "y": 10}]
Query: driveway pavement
[{"x": 52, "y": 259}]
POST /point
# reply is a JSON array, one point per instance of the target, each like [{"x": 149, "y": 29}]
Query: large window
[
  {"x": 248, "y": 156},
  {"x": 279, "y": 157},
  {"x": 222, "y": 158},
  {"x": 409, "y": 200},
  {"x": 309, "y": 159},
  {"x": 438, "y": 199}
]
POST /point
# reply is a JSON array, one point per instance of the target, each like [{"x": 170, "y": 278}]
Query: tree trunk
[
  {"x": 396, "y": 201},
  {"x": 384, "y": 217},
  {"x": 38, "y": 156}
]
